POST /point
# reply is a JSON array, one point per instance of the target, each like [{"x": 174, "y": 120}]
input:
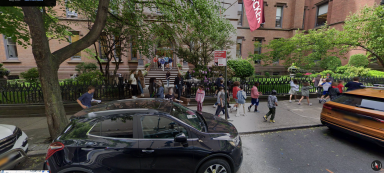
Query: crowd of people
[{"x": 163, "y": 62}]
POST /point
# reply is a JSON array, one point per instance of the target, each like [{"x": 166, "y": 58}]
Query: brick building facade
[{"x": 282, "y": 19}]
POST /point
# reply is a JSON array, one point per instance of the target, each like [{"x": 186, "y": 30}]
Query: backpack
[{"x": 240, "y": 99}]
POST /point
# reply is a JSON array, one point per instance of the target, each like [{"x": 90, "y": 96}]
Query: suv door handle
[{"x": 148, "y": 151}]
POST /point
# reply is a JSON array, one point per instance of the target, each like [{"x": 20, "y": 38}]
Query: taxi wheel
[{"x": 215, "y": 166}]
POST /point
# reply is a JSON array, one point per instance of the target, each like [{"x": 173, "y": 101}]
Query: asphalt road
[{"x": 308, "y": 150}]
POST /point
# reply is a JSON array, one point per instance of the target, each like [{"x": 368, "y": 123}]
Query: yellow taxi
[{"x": 359, "y": 112}]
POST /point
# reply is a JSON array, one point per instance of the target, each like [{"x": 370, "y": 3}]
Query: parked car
[
  {"x": 13, "y": 146},
  {"x": 145, "y": 135},
  {"x": 358, "y": 112}
]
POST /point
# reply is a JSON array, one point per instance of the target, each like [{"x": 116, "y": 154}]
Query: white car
[{"x": 13, "y": 146}]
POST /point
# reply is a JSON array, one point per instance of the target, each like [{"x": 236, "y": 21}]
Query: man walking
[{"x": 179, "y": 83}]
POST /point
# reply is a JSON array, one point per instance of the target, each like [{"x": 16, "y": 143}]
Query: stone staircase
[{"x": 160, "y": 74}]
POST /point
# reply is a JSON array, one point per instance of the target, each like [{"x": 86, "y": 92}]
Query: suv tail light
[
  {"x": 327, "y": 107},
  {"x": 53, "y": 148}
]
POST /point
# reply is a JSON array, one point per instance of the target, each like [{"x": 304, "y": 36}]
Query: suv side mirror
[{"x": 180, "y": 138}]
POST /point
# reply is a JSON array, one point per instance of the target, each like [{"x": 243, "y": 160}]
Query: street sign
[{"x": 220, "y": 58}]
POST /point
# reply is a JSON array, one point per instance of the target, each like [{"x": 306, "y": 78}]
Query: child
[
  {"x": 272, "y": 103},
  {"x": 234, "y": 93},
  {"x": 160, "y": 91},
  {"x": 85, "y": 100},
  {"x": 220, "y": 100},
  {"x": 333, "y": 91},
  {"x": 305, "y": 92},
  {"x": 326, "y": 85},
  {"x": 241, "y": 96},
  {"x": 200, "y": 94},
  {"x": 170, "y": 96},
  {"x": 162, "y": 62},
  {"x": 255, "y": 97},
  {"x": 341, "y": 86},
  {"x": 294, "y": 88}
]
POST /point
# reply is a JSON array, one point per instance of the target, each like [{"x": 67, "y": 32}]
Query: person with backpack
[
  {"x": 333, "y": 91},
  {"x": 218, "y": 81},
  {"x": 255, "y": 97},
  {"x": 241, "y": 96},
  {"x": 220, "y": 85},
  {"x": 326, "y": 85},
  {"x": 272, "y": 103},
  {"x": 293, "y": 91}
]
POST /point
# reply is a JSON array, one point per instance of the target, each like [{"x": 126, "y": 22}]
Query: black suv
[{"x": 145, "y": 135}]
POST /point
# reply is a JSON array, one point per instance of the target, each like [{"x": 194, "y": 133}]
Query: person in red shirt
[
  {"x": 341, "y": 86},
  {"x": 234, "y": 92}
]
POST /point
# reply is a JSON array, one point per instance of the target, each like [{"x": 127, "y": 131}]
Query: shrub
[
  {"x": 179, "y": 65},
  {"x": 85, "y": 67},
  {"x": 93, "y": 76},
  {"x": 357, "y": 71},
  {"x": 243, "y": 68},
  {"x": 330, "y": 63},
  {"x": 375, "y": 73},
  {"x": 266, "y": 74},
  {"x": 31, "y": 75},
  {"x": 358, "y": 60},
  {"x": 147, "y": 65},
  {"x": 3, "y": 71},
  {"x": 299, "y": 75},
  {"x": 342, "y": 69}
]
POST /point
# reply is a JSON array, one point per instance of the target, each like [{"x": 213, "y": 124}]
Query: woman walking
[
  {"x": 241, "y": 96},
  {"x": 141, "y": 82},
  {"x": 234, "y": 93},
  {"x": 168, "y": 77},
  {"x": 305, "y": 92},
  {"x": 200, "y": 95},
  {"x": 133, "y": 84},
  {"x": 294, "y": 88}
]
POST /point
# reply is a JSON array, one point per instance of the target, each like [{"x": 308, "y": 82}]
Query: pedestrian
[
  {"x": 168, "y": 77},
  {"x": 341, "y": 86},
  {"x": 166, "y": 60},
  {"x": 241, "y": 96},
  {"x": 85, "y": 100},
  {"x": 255, "y": 97},
  {"x": 329, "y": 77},
  {"x": 305, "y": 92},
  {"x": 160, "y": 91},
  {"x": 155, "y": 62},
  {"x": 355, "y": 84},
  {"x": 218, "y": 81},
  {"x": 326, "y": 85},
  {"x": 141, "y": 82},
  {"x": 200, "y": 95},
  {"x": 162, "y": 62},
  {"x": 218, "y": 86},
  {"x": 272, "y": 103},
  {"x": 220, "y": 100},
  {"x": 179, "y": 84},
  {"x": 188, "y": 84},
  {"x": 333, "y": 91},
  {"x": 294, "y": 89},
  {"x": 317, "y": 81},
  {"x": 171, "y": 96},
  {"x": 235, "y": 89},
  {"x": 152, "y": 87},
  {"x": 133, "y": 83},
  {"x": 158, "y": 62},
  {"x": 170, "y": 62}
]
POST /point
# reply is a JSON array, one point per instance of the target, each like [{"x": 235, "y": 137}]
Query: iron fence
[
  {"x": 22, "y": 93},
  {"x": 281, "y": 85}
]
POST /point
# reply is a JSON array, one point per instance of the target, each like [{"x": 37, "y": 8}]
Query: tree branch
[{"x": 92, "y": 36}]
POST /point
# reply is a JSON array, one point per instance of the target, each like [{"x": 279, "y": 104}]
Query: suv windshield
[
  {"x": 187, "y": 116},
  {"x": 361, "y": 101}
]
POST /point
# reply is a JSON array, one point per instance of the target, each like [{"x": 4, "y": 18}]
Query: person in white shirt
[
  {"x": 294, "y": 88},
  {"x": 133, "y": 80}
]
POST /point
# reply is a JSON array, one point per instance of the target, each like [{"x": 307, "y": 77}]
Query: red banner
[{"x": 255, "y": 13}]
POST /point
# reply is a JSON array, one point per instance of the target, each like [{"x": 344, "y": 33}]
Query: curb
[
  {"x": 37, "y": 153},
  {"x": 281, "y": 129}
]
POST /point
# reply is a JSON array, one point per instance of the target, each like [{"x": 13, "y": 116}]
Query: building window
[
  {"x": 238, "y": 46},
  {"x": 322, "y": 11},
  {"x": 10, "y": 48},
  {"x": 73, "y": 38},
  {"x": 103, "y": 46},
  {"x": 240, "y": 13},
  {"x": 257, "y": 49},
  {"x": 133, "y": 51},
  {"x": 304, "y": 17},
  {"x": 70, "y": 14},
  {"x": 279, "y": 16}
]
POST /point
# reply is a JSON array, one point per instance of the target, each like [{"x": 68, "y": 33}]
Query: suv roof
[{"x": 370, "y": 92}]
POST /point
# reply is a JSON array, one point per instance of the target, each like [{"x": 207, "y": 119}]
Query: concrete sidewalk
[{"x": 288, "y": 115}]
